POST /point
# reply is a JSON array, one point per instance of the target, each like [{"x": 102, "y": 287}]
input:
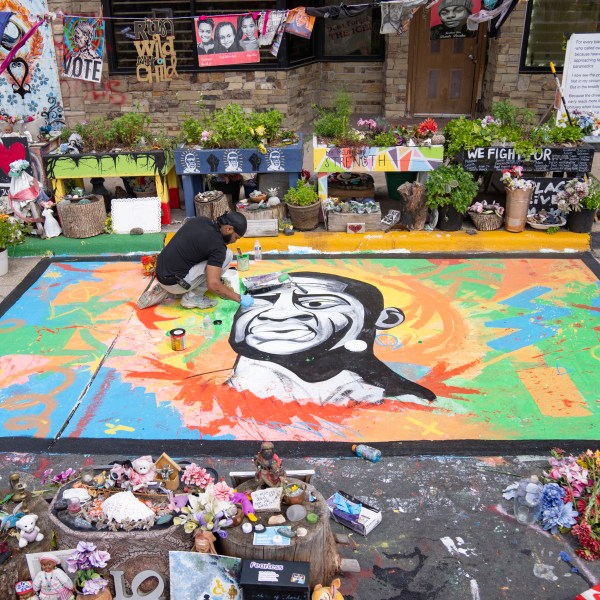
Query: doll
[
  {"x": 268, "y": 466},
  {"x": 24, "y": 590},
  {"x": 52, "y": 583}
]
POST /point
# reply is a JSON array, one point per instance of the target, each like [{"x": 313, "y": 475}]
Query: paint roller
[{"x": 267, "y": 283}]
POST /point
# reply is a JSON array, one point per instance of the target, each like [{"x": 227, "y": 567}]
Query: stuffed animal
[
  {"x": 143, "y": 472},
  {"x": 327, "y": 593},
  {"x": 30, "y": 532}
]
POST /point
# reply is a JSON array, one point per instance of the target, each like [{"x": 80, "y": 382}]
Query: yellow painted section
[{"x": 421, "y": 241}]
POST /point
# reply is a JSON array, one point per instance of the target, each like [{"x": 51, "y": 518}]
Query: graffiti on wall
[
  {"x": 377, "y": 349},
  {"x": 30, "y": 87}
]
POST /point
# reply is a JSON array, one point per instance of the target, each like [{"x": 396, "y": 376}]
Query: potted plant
[
  {"x": 124, "y": 146},
  {"x": 89, "y": 583},
  {"x": 450, "y": 190},
  {"x": 580, "y": 200},
  {"x": 303, "y": 204},
  {"x": 372, "y": 145},
  {"x": 518, "y": 196},
  {"x": 486, "y": 216},
  {"x": 229, "y": 141},
  {"x": 12, "y": 232}
]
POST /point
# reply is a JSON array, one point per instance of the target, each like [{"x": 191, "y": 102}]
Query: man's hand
[{"x": 246, "y": 301}]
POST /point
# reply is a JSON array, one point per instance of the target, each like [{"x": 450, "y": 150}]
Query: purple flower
[
  {"x": 94, "y": 586},
  {"x": 562, "y": 515},
  {"x": 552, "y": 496}
]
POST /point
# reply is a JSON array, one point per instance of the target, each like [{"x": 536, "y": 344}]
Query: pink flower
[
  {"x": 206, "y": 135},
  {"x": 196, "y": 475},
  {"x": 221, "y": 491}
]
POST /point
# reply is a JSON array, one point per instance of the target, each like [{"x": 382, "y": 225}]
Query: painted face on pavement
[{"x": 287, "y": 321}]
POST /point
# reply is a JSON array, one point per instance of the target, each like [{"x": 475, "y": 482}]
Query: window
[
  {"x": 353, "y": 39},
  {"x": 548, "y": 25}
]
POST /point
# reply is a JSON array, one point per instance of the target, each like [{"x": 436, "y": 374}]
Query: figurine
[
  {"x": 75, "y": 144},
  {"x": 268, "y": 466},
  {"x": 51, "y": 582},
  {"x": 119, "y": 474},
  {"x": 24, "y": 590},
  {"x": 327, "y": 593},
  {"x": 204, "y": 542},
  {"x": 29, "y": 531},
  {"x": 142, "y": 472}
]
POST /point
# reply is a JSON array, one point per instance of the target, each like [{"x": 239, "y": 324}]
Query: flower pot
[
  {"x": 449, "y": 218},
  {"x": 3, "y": 262},
  {"x": 486, "y": 222},
  {"x": 103, "y": 595},
  {"x": 517, "y": 206},
  {"x": 578, "y": 222},
  {"x": 304, "y": 218}
]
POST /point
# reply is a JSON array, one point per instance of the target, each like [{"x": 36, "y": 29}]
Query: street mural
[{"x": 361, "y": 348}]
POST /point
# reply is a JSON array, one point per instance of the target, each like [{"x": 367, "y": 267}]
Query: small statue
[
  {"x": 75, "y": 144},
  {"x": 24, "y": 590},
  {"x": 268, "y": 466},
  {"x": 327, "y": 593},
  {"x": 51, "y": 582},
  {"x": 204, "y": 542},
  {"x": 29, "y": 532}
]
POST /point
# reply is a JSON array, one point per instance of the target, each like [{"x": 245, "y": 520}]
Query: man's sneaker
[
  {"x": 197, "y": 301},
  {"x": 155, "y": 295}
]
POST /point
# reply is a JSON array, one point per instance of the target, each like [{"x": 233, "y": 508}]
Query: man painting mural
[{"x": 313, "y": 342}]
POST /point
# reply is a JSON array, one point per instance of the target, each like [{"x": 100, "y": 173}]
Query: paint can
[
  {"x": 243, "y": 262},
  {"x": 177, "y": 339}
]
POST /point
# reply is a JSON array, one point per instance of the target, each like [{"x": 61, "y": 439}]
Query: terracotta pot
[
  {"x": 449, "y": 218},
  {"x": 304, "y": 218},
  {"x": 582, "y": 221},
  {"x": 103, "y": 595},
  {"x": 517, "y": 206}
]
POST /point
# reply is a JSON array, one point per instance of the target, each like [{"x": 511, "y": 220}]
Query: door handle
[{"x": 471, "y": 57}]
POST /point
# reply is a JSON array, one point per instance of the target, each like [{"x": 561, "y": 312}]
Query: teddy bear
[
  {"x": 142, "y": 472},
  {"x": 327, "y": 593},
  {"x": 30, "y": 532}
]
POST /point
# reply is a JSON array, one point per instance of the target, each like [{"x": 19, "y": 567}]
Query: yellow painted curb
[{"x": 421, "y": 241}]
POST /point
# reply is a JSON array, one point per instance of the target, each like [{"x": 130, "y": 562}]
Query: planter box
[
  {"x": 193, "y": 163},
  {"x": 335, "y": 221},
  {"x": 153, "y": 163},
  {"x": 576, "y": 159},
  {"x": 376, "y": 159}
]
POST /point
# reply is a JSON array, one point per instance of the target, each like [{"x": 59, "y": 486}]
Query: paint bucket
[
  {"x": 243, "y": 262},
  {"x": 177, "y": 339}
]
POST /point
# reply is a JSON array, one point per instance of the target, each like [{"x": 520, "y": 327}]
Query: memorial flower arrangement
[
  {"x": 211, "y": 510},
  {"x": 586, "y": 120},
  {"x": 568, "y": 499},
  {"x": 84, "y": 561},
  {"x": 578, "y": 195},
  {"x": 196, "y": 476},
  {"x": 485, "y": 208},
  {"x": 513, "y": 179},
  {"x": 12, "y": 231}
]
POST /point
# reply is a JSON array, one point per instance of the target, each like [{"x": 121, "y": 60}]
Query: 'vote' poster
[{"x": 83, "y": 45}]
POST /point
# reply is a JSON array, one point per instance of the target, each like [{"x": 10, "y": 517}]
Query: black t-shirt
[{"x": 198, "y": 240}]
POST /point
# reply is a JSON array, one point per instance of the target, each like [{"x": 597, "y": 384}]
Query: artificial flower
[
  {"x": 512, "y": 179},
  {"x": 195, "y": 475},
  {"x": 427, "y": 127}
]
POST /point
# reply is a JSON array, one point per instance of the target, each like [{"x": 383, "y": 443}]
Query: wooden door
[{"x": 444, "y": 75}]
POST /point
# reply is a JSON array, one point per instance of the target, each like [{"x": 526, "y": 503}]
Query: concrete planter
[{"x": 193, "y": 163}]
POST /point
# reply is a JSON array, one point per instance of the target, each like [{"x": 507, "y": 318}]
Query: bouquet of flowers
[
  {"x": 84, "y": 561},
  {"x": 512, "y": 179},
  {"x": 587, "y": 121},
  {"x": 577, "y": 195},
  {"x": 12, "y": 231},
  {"x": 485, "y": 208},
  {"x": 568, "y": 500}
]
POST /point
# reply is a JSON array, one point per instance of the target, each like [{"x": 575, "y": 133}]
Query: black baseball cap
[{"x": 236, "y": 220}]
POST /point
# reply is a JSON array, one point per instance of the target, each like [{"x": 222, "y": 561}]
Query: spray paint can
[
  {"x": 177, "y": 339},
  {"x": 367, "y": 452}
]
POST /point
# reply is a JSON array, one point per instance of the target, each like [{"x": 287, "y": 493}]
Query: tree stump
[
  {"x": 413, "y": 207},
  {"x": 317, "y": 547}
]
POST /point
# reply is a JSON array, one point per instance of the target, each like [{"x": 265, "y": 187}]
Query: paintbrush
[
  {"x": 285, "y": 277},
  {"x": 239, "y": 251}
]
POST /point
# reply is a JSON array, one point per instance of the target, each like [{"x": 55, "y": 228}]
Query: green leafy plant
[
  {"x": 451, "y": 185},
  {"x": 385, "y": 138},
  {"x": 571, "y": 134},
  {"x": 552, "y": 230},
  {"x": 334, "y": 123},
  {"x": 12, "y": 231},
  {"x": 128, "y": 129},
  {"x": 303, "y": 194}
]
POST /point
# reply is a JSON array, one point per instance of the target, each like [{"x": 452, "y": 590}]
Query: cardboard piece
[
  {"x": 368, "y": 519},
  {"x": 267, "y": 500}
]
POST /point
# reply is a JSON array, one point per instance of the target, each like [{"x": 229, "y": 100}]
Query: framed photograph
[{"x": 33, "y": 561}]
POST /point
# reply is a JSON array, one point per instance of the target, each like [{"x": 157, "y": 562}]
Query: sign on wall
[
  {"x": 83, "y": 46},
  {"x": 154, "y": 43}
]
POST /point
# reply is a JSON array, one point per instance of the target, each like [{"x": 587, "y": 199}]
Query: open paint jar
[{"x": 243, "y": 262}]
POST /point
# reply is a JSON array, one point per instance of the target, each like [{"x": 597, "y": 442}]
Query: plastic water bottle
[
  {"x": 257, "y": 250},
  {"x": 367, "y": 452},
  {"x": 207, "y": 325}
]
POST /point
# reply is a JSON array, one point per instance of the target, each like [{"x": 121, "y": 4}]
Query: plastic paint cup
[
  {"x": 177, "y": 339},
  {"x": 243, "y": 262}
]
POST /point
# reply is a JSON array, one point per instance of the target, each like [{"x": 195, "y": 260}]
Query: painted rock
[
  {"x": 276, "y": 520},
  {"x": 301, "y": 532}
]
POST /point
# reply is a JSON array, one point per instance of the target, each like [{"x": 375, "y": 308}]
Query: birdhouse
[{"x": 167, "y": 472}]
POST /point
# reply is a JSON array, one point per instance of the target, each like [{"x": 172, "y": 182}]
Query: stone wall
[
  {"x": 396, "y": 76},
  {"x": 502, "y": 78}
]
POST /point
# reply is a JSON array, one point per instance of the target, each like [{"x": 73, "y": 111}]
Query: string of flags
[{"x": 231, "y": 39}]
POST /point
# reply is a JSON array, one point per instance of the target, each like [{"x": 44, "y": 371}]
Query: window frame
[{"x": 281, "y": 64}]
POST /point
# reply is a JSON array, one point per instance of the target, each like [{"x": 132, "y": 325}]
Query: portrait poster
[
  {"x": 396, "y": 16},
  {"x": 268, "y": 25},
  {"x": 83, "y": 47},
  {"x": 299, "y": 23},
  {"x": 226, "y": 40},
  {"x": 196, "y": 575},
  {"x": 449, "y": 19}
]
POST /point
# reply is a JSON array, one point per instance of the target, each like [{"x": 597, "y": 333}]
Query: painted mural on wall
[
  {"x": 30, "y": 85},
  {"x": 83, "y": 47},
  {"x": 376, "y": 349}
]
